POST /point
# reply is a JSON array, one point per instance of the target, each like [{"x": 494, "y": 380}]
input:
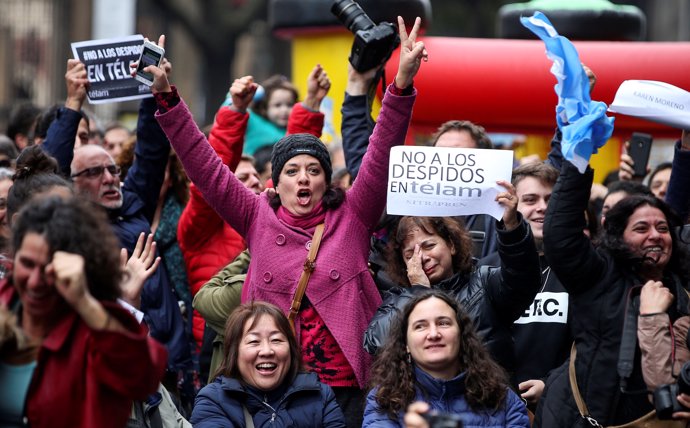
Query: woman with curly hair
[
  {"x": 433, "y": 354},
  {"x": 436, "y": 252},
  {"x": 90, "y": 358}
]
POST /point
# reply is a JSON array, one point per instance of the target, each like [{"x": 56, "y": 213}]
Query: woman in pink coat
[{"x": 341, "y": 296}]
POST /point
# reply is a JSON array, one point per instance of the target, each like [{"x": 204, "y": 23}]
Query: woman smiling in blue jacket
[{"x": 434, "y": 355}]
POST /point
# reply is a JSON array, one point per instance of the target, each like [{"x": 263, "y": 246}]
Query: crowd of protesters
[{"x": 148, "y": 278}]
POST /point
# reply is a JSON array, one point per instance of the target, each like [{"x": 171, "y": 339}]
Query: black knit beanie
[{"x": 299, "y": 144}]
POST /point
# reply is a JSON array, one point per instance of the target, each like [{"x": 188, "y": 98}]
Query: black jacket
[
  {"x": 542, "y": 334},
  {"x": 601, "y": 291},
  {"x": 494, "y": 297}
]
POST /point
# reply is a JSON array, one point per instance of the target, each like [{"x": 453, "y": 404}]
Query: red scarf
[{"x": 308, "y": 222}]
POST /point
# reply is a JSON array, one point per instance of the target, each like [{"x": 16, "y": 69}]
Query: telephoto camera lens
[{"x": 351, "y": 15}]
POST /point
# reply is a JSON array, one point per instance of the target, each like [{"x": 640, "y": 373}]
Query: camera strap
[
  {"x": 628, "y": 347},
  {"x": 380, "y": 76}
]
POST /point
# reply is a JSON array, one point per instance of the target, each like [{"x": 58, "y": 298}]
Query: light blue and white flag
[{"x": 583, "y": 122}]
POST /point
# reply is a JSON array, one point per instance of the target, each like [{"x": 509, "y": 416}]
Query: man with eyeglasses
[
  {"x": 130, "y": 206},
  {"x": 97, "y": 177}
]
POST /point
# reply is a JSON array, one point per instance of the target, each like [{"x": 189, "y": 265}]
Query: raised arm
[
  {"x": 568, "y": 251},
  {"x": 151, "y": 152},
  {"x": 677, "y": 193},
  {"x": 236, "y": 204},
  {"x": 367, "y": 194},
  {"x": 115, "y": 335},
  {"x": 305, "y": 116},
  {"x": 62, "y": 133},
  {"x": 512, "y": 288},
  {"x": 356, "y": 127},
  {"x": 199, "y": 221}
]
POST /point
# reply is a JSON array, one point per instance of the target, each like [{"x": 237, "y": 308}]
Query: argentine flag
[{"x": 583, "y": 122}]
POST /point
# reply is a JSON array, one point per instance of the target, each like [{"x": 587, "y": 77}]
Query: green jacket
[{"x": 217, "y": 299}]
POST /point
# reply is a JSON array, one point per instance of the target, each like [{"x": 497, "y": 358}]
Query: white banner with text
[{"x": 441, "y": 181}]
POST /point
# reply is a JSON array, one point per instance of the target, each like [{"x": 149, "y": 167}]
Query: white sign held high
[
  {"x": 107, "y": 68},
  {"x": 441, "y": 181}
]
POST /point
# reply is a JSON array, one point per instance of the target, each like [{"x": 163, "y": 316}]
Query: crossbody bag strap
[
  {"x": 581, "y": 406},
  {"x": 309, "y": 266}
]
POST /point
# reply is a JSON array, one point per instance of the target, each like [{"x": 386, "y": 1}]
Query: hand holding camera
[
  {"x": 373, "y": 44},
  {"x": 419, "y": 415}
]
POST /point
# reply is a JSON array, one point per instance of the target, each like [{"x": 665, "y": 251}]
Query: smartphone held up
[
  {"x": 151, "y": 54},
  {"x": 639, "y": 150}
]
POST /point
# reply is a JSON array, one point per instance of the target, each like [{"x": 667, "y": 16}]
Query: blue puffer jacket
[
  {"x": 449, "y": 397},
  {"x": 304, "y": 403}
]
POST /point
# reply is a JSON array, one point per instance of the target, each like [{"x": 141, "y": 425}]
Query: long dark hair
[
  {"x": 394, "y": 379},
  {"x": 448, "y": 228},
  {"x": 611, "y": 240},
  {"x": 77, "y": 227},
  {"x": 235, "y": 326}
]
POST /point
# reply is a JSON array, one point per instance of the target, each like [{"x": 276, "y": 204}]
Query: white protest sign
[
  {"x": 107, "y": 68},
  {"x": 653, "y": 101},
  {"x": 442, "y": 181}
]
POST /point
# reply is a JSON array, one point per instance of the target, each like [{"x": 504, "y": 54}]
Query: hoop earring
[{"x": 409, "y": 358}]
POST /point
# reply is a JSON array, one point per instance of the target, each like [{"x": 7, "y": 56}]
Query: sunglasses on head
[{"x": 97, "y": 171}]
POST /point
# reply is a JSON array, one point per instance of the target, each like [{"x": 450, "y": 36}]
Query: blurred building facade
[{"x": 35, "y": 37}]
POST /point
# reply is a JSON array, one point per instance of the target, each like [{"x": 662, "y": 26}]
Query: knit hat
[{"x": 299, "y": 144}]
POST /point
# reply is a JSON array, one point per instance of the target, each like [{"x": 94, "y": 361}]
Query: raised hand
[
  {"x": 591, "y": 77},
  {"x": 358, "y": 83},
  {"x": 318, "y": 85},
  {"x": 415, "y": 268},
  {"x": 626, "y": 171},
  {"x": 509, "y": 201},
  {"x": 70, "y": 278},
  {"x": 138, "y": 268},
  {"x": 411, "y": 54},
  {"x": 160, "y": 74},
  {"x": 242, "y": 92},
  {"x": 685, "y": 140},
  {"x": 77, "y": 83},
  {"x": 67, "y": 271}
]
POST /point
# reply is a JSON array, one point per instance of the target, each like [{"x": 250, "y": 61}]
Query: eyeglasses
[{"x": 97, "y": 171}]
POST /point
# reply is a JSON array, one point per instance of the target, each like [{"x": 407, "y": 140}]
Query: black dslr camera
[
  {"x": 665, "y": 400},
  {"x": 373, "y": 44},
  {"x": 436, "y": 419}
]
